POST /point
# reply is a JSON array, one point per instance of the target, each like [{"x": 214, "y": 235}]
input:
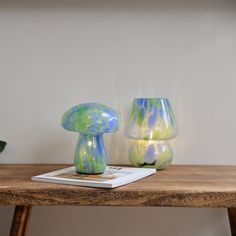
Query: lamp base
[
  {"x": 150, "y": 154},
  {"x": 90, "y": 155}
]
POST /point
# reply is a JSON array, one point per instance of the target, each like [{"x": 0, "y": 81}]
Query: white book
[{"x": 114, "y": 176}]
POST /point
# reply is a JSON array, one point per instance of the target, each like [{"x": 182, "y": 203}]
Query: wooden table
[{"x": 178, "y": 186}]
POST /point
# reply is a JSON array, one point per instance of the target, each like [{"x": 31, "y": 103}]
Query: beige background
[{"x": 55, "y": 54}]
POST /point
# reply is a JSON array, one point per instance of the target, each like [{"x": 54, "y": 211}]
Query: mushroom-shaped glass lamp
[
  {"x": 150, "y": 123},
  {"x": 91, "y": 120}
]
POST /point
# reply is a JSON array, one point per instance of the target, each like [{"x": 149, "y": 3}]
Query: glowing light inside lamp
[{"x": 149, "y": 121}]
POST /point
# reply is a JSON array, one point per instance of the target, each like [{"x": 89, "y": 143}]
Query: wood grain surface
[
  {"x": 20, "y": 222},
  {"x": 177, "y": 186}
]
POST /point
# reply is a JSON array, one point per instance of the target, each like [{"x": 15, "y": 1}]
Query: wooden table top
[{"x": 177, "y": 186}]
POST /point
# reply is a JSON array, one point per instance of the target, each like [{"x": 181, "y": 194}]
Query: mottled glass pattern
[
  {"x": 150, "y": 122},
  {"x": 150, "y": 119},
  {"x": 90, "y": 154},
  {"x": 91, "y": 120},
  {"x": 150, "y": 154}
]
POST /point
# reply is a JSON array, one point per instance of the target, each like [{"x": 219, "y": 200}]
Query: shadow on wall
[
  {"x": 55, "y": 149},
  {"x": 6, "y": 219},
  {"x": 128, "y": 221}
]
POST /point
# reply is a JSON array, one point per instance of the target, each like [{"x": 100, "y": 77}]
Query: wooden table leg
[
  {"x": 20, "y": 223},
  {"x": 232, "y": 220}
]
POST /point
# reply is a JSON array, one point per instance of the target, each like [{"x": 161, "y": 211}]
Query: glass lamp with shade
[{"x": 149, "y": 124}]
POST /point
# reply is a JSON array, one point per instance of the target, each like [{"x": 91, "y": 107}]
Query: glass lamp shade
[
  {"x": 150, "y": 123},
  {"x": 150, "y": 119}
]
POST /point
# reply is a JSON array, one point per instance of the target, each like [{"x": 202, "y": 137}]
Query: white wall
[{"x": 55, "y": 54}]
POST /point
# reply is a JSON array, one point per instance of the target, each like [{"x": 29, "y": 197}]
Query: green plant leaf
[{"x": 2, "y": 145}]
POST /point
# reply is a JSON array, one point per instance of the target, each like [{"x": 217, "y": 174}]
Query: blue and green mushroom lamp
[
  {"x": 91, "y": 121},
  {"x": 150, "y": 123}
]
